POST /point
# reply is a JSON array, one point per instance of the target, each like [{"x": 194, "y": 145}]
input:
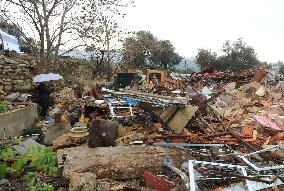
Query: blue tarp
[{"x": 130, "y": 101}]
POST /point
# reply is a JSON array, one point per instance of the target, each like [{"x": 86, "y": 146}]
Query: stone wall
[
  {"x": 79, "y": 73},
  {"x": 75, "y": 72},
  {"x": 12, "y": 70}
]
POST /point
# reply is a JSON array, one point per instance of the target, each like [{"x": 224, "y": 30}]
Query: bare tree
[
  {"x": 48, "y": 21},
  {"x": 99, "y": 26},
  {"x": 92, "y": 24}
]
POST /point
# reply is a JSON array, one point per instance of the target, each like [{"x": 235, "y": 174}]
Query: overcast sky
[{"x": 193, "y": 24}]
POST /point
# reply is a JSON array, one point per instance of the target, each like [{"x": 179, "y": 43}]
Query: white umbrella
[
  {"x": 46, "y": 77},
  {"x": 55, "y": 76}
]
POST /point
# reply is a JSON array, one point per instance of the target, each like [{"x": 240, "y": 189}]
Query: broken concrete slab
[
  {"x": 261, "y": 91},
  {"x": 13, "y": 96},
  {"x": 176, "y": 118},
  {"x": 116, "y": 163},
  {"x": 181, "y": 118},
  {"x": 165, "y": 113},
  {"x": 13, "y": 122},
  {"x": 89, "y": 182},
  {"x": 82, "y": 181},
  {"x": 25, "y": 145},
  {"x": 230, "y": 87}
]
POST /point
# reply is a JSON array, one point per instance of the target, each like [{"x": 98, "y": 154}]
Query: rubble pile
[
  {"x": 175, "y": 85},
  {"x": 205, "y": 131},
  {"x": 241, "y": 130},
  {"x": 66, "y": 95},
  {"x": 209, "y": 77},
  {"x": 234, "y": 144},
  {"x": 250, "y": 110}
]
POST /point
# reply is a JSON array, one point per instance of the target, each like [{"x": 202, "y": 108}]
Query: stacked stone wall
[{"x": 13, "y": 71}]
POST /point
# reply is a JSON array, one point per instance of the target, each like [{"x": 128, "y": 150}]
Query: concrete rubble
[
  {"x": 228, "y": 114},
  {"x": 202, "y": 139},
  {"x": 114, "y": 163},
  {"x": 206, "y": 131}
]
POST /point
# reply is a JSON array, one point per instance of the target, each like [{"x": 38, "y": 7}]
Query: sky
[{"x": 193, "y": 24}]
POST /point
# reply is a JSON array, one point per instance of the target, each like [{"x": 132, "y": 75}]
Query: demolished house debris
[
  {"x": 228, "y": 139},
  {"x": 206, "y": 131}
]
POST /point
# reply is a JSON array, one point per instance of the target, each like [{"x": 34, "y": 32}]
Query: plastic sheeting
[
  {"x": 9, "y": 42},
  {"x": 267, "y": 123},
  {"x": 131, "y": 101}
]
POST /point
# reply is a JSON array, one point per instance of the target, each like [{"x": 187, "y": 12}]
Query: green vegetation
[
  {"x": 180, "y": 71},
  {"x": 206, "y": 59},
  {"x": 281, "y": 69},
  {"x": 27, "y": 166},
  {"x": 3, "y": 171},
  {"x": 21, "y": 83},
  {"x": 235, "y": 56},
  {"x": 145, "y": 49},
  {"x": 33, "y": 185},
  {"x": 3, "y": 107}
]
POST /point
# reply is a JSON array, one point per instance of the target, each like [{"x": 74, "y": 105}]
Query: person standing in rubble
[{"x": 42, "y": 98}]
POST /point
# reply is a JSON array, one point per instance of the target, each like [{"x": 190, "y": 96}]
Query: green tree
[
  {"x": 144, "y": 48},
  {"x": 206, "y": 59},
  {"x": 138, "y": 49},
  {"x": 164, "y": 54},
  {"x": 237, "y": 56},
  {"x": 281, "y": 67}
]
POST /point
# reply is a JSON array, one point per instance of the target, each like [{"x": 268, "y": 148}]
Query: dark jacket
[{"x": 42, "y": 95}]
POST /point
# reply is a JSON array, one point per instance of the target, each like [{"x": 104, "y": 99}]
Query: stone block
[
  {"x": 8, "y": 88},
  {"x": 181, "y": 118},
  {"x": 12, "y": 123},
  {"x": 10, "y": 61},
  {"x": 13, "y": 96},
  {"x": 116, "y": 163}
]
